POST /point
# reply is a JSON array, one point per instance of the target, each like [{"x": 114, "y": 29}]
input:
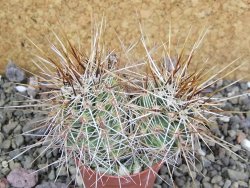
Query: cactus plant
[{"x": 119, "y": 121}]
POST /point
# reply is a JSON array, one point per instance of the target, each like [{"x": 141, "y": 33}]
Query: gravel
[{"x": 216, "y": 166}]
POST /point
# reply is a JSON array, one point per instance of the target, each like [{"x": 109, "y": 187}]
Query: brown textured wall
[{"x": 227, "y": 39}]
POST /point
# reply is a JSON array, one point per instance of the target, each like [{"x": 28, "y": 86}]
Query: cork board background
[{"x": 228, "y": 37}]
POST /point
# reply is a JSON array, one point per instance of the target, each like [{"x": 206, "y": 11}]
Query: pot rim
[{"x": 149, "y": 169}]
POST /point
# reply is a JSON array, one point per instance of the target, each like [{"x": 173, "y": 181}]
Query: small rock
[
  {"x": 248, "y": 84},
  {"x": 19, "y": 140},
  {"x": 27, "y": 162},
  {"x": 13, "y": 73},
  {"x": 43, "y": 167},
  {"x": 4, "y": 183},
  {"x": 2, "y": 117},
  {"x": 61, "y": 171},
  {"x": 210, "y": 157},
  {"x": 51, "y": 175},
  {"x": 216, "y": 179},
  {"x": 235, "y": 185},
  {"x": 72, "y": 170},
  {"x": 9, "y": 127},
  {"x": 164, "y": 170},
  {"x": 207, "y": 185},
  {"x": 5, "y": 171},
  {"x": 232, "y": 133},
  {"x": 52, "y": 185},
  {"x": 242, "y": 184},
  {"x": 22, "y": 178},
  {"x": 240, "y": 137},
  {"x": 5, "y": 164},
  {"x": 227, "y": 184},
  {"x": 13, "y": 165},
  {"x": 206, "y": 162},
  {"x": 225, "y": 119},
  {"x": 244, "y": 102},
  {"x": 216, "y": 186},
  {"x": 236, "y": 148},
  {"x": 246, "y": 144},
  {"x": 21, "y": 89},
  {"x": 234, "y": 120},
  {"x": 236, "y": 175},
  {"x": 1, "y": 138},
  {"x": 201, "y": 152},
  {"x": 6, "y": 144}
]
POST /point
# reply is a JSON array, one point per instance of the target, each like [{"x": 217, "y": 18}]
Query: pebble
[
  {"x": 5, "y": 171},
  {"x": 210, "y": 157},
  {"x": 232, "y": 133},
  {"x": 2, "y": 117},
  {"x": 242, "y": 184},
  {"x": 52, "y": 185},
  {"x": 248, "y": 84},
  {"x": 13, "y": 165},
  {"x": 225, "y": 119},
  {"x": 61, "y": 171},
  {"x": 235, "y": 185},
  {"x": 1, "y": 138},
  {"x": 6, "y": 144},
  {"x": 51, "y": 175},
  {"x": 14, "y": 73},
  {"x": 227, "y": 184},
  {"x": 9, "y": 127},
  {"x": 27, "y": 162},
  {"x": 236, "y": 175},
  {"x": 246, "y": 144},
  {"x": 5, "y": 164},
  {"x": 22, "y": 178},
  {"x": 4, "y": 183},
  {"x": 207, "y": 185},
  {"x": 19, "y": 140},
  {"x": 216, "y": 179},
  {"x": 21, "y": 89},
  {"x": 163, "y": 170}
]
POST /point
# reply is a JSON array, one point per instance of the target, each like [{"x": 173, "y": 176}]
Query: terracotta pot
[{"x": 144, "y": 179}]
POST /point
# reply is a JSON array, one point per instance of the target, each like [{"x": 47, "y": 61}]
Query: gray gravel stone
[
  {"x": 243, "y": 184},
  {"x": 163, "y": 170},
  {"x": 236, "y": 175},
  {"x": 232, "y": 133},
  {"x": 235, "y": 185},
  {"x": 51, "y": 175},
  {"x": 13, "y": 165},
  {"x": 244, "y": 101},
  {"x": 27, "y": 162},
  {"x": 9, "y": 127},
  {"x": 227, "y": 184},
  {"x": 14, "y": 73},
  {"x": 1, "y": 138},
  {"x": 19, "y": 140},
  {"x": 207, "y": 185},
  {"x": 216, "y": 179},
  {"x": 210, "y": 157},
  {"x": 61, "y": 171},
  {"x": 6, "y": 144},
  {"x": 2, "y": 117},
  {"x": 5, "y": 171}
]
